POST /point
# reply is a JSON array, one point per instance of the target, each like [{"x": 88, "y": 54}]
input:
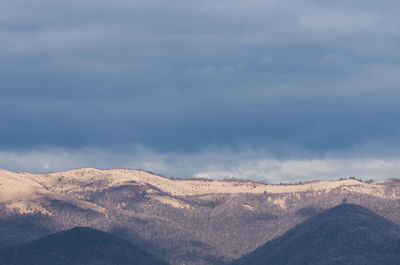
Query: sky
[{"x": 267, "y": 90}]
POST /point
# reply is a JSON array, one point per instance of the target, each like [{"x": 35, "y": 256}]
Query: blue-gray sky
[{"x": 255, "y": 89}]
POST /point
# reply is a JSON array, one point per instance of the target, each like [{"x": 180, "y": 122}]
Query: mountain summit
[{"x": 345, "y": 234}]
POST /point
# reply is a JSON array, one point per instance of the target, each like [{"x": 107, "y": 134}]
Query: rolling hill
[
  {"x": 346, "y": 234},
  {"x": 78, "y": 246},
  {"x": 191, "y": 221}
]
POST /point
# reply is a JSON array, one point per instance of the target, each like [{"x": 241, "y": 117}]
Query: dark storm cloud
[{"x": 290, "y": 77}]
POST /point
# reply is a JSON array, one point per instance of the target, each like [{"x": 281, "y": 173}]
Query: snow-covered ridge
[{"x": 25, "y": 190}]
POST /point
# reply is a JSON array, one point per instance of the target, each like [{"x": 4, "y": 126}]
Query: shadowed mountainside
[
  {"x": 345, "y": 234},
  {"x": 78, "y": 246},
  {"x": 191, "y": 221}
]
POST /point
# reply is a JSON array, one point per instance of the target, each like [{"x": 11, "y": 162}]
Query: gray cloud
[
  {"x": 303, "y": 80},
  {"x": 220, "y": 164}
]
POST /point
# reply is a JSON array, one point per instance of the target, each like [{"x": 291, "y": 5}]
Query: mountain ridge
[{"x": 175, "y": 218}]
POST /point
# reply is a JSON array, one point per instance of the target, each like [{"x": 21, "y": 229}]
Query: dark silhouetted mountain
[
  {"x": 345, "y": 234},
  {"x": 78, "y": 246}
]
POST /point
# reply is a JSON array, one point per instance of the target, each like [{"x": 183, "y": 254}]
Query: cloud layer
[
  {"x": 289, "y": 81},
  {"x": 216, "y": 165}
]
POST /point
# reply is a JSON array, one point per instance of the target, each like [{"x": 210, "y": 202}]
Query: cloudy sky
[{"x": 262, "y": 89}]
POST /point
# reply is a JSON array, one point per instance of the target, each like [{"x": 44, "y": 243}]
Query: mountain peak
[
  {"x": 80, "y": 245},
  {"x": 344, "y": 234}
]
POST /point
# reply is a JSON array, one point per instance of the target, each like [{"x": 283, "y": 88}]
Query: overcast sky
[{"x": 263, "y": 89}]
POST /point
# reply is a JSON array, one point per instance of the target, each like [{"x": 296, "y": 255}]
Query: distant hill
[
  {"x": 345, "y": 234},
  {"x": 78, "y": 246},
  {"x": 191, "y": 221}
]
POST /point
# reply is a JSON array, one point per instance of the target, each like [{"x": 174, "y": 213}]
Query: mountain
[
  {"x": 190, "y": 221},
  {"x": 78, "y": 246},
  {"x": 346, "y": 234}
]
